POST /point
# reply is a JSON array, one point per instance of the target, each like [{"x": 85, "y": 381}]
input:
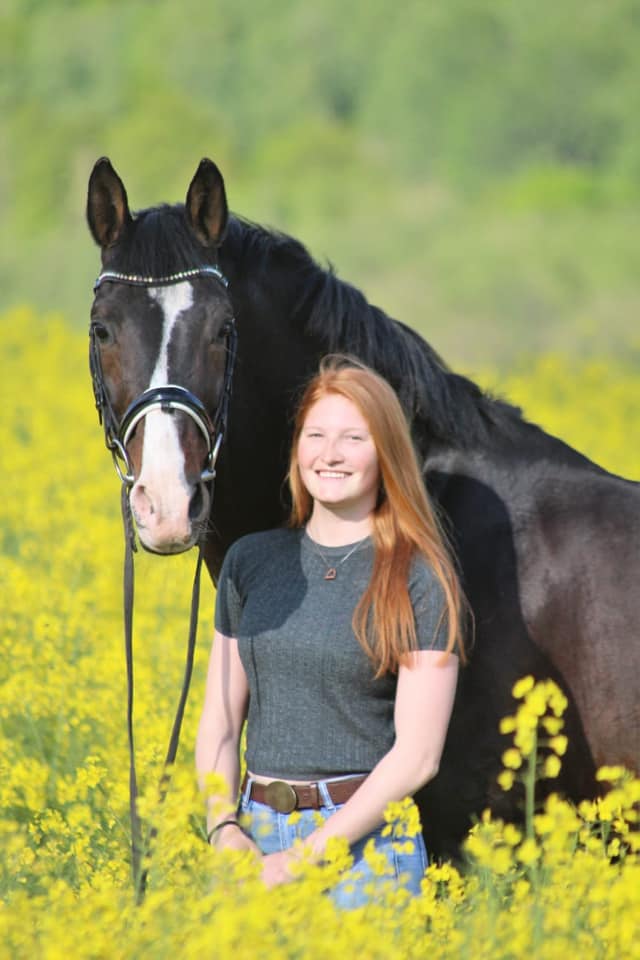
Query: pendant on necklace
[{"x": 330, "y": 574}]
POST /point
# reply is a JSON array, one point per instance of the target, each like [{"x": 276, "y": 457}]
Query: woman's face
[{"x": 337, "y": 457}]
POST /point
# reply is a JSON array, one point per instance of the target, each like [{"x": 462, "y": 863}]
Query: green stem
[{"x": 530, "y": 787}]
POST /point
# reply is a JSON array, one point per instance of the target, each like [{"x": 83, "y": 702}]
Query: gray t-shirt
[{"x": 315, "y": 709}]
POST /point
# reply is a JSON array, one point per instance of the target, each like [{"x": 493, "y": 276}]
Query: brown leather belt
[{"x": 286, "y": 797}]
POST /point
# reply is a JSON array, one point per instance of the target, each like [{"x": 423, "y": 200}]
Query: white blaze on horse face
[
  {"x": 161, "y": 495},
  {"x": 173, "y": 301}
]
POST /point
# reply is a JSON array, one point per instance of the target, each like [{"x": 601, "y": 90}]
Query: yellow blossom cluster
[
  {"x": 567, "y": 880},
  {"x": 541, "y": 710},
  {"x": 553, "y": 871}
]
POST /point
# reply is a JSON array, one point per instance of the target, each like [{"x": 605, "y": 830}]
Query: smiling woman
[
  {"x": 337, "y": 462},
  {"x": 347, "y": 688}
]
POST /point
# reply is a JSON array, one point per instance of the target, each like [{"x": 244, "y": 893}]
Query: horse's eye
[
  {"x": 221, "y": 335},
  {"x": 100, "y": 331}
]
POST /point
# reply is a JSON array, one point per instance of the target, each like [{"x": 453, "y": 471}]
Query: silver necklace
[{"x": 332, "y": 570}]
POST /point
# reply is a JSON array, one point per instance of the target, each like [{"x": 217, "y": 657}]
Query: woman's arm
[
  {"x": 424, "y": 700},
  {"x": 218, "y": 739}
]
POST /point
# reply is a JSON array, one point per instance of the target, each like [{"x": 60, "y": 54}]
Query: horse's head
[{"x": 161, "y": 337}]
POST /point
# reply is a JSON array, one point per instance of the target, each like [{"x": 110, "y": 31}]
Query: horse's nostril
[{"x": 197, "y": 504}]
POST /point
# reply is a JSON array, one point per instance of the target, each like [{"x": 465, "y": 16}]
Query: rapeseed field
[{"x": 566, "y": 882}]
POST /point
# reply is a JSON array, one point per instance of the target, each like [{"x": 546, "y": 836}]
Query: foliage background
[{"x": 474, "y": 165}]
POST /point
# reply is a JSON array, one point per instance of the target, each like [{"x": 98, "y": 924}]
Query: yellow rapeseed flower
[
  {"x": 511, "y": 835},
  {"x": 552, "y": 725},
  {"x": 522, "y": 687},
  {"x": 506, "y": 779},
  {"x": 507, "y": 725},
  {"x": 611, "y": 774},
  {"x": 528, "y": 852},
  {"x": 559, "y": 744},
  {"x": 551, "y": 767},
  {"x": 512, "y": 759}
]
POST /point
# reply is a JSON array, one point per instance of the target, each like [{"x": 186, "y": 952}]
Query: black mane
[{"x": 452, "y": 407}]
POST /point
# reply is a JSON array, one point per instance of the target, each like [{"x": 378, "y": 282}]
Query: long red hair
[{"x": 404, "y": 522}]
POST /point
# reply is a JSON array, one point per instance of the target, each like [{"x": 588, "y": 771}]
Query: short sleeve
[
  {"x": 228, "y": 603},
  {"x": 429, "y": 607}
]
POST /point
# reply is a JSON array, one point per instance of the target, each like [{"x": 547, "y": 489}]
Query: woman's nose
[{"x": 332, "y": 452}]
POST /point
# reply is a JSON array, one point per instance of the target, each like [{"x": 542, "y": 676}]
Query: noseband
[{"x": 168, "y": 397}]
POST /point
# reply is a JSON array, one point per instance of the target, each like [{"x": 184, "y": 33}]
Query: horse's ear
[
  {"x": 107, "y": 204},
  {"x": 206, "y": 205}
]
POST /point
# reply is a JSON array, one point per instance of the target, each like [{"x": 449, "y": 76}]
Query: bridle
[
  {"x": 168, "y": 397},
  {"x": 118, "y": 431}
]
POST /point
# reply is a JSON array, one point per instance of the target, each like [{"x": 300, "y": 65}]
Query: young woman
[{"x": 338, "y": 640}]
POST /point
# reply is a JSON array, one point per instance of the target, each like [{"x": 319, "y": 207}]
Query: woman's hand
[
  {"x": 232, "y": 837},
  {"x": 276, "y": 867}
]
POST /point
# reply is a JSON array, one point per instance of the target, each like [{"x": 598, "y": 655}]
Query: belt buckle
[{"x": 281, "y": 796}]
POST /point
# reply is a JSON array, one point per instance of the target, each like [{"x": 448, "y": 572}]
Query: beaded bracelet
[{"x": 219, "y": 826}]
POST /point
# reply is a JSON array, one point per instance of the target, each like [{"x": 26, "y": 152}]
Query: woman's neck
[{"x": 333, "y": 530}]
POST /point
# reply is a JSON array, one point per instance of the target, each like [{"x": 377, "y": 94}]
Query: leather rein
[{"x": 117, "y": 433}]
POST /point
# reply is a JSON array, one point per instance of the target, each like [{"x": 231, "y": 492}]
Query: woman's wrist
[
  {"x": 218, "y": 828},
  {"x": 315, "y": 845}
]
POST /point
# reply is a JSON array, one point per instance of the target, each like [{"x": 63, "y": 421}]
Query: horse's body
[{"x": 548, "y": 543}]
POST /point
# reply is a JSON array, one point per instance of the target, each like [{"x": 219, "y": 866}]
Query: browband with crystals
[{"x": 139, "y": 281}]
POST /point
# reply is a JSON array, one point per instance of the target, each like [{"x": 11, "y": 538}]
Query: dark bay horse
[{"x": 548, "y": 543}]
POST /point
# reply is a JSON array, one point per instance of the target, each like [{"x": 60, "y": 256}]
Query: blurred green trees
[{"x": 474, "y": 165}]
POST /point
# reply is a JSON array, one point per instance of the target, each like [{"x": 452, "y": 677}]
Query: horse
[{"x": 546, "y": 541}]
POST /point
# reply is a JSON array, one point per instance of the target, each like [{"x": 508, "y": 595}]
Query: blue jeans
[{"x": 273, "y": 832}]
